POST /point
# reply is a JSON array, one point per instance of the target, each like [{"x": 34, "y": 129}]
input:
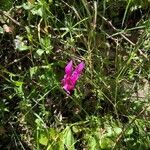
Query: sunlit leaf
[
  {"x": 68, "y": 138},
  {"x": 43, "y": 139}
]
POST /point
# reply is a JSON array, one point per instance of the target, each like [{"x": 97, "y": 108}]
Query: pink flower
[{"x": 71, "y": 77}]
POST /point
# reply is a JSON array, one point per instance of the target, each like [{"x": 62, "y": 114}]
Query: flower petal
[
  {"x": 68, "y": 68},
  {"x": 79, "y": 68},
  {"x": 70, "y": 78},
  {"x": 68, "y": 88},
  {"x": 76, "y": 73},
  {"x": 67, "y": 83}
]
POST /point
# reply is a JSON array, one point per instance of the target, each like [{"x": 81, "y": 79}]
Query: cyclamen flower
[{"x": 71, "y": 77}]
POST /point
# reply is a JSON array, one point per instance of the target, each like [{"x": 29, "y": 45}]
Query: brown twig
[
  {"x": 17, "y": 60},
  {"x": 4, "y": 13},
  {"x": 122, "y": 35}
]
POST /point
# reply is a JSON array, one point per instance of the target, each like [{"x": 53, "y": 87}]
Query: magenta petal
[
  {"x": 74, "y": 77},
  {"x": 65, "y": 87},
  {"x": 68, "y": 88},
  {"x": 80, "y": 67},
  {"x": 70, "y": 78},
  {"x": 67, "y": 84},
  {"x": 76, "y": 73},
  {"x": 68, "y": 68}
]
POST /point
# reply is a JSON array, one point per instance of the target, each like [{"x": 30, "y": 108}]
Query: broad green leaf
[
  {"x": 43, "y": 139},
  {"x": 40, "y": 52},
  {"x": 68, "y": 138},
  {"x": 53, "y": 133},
  {"x": 117, "y": 130},
  {"x": 92, "y": 143},
  {"x": 106, "y": 143}
]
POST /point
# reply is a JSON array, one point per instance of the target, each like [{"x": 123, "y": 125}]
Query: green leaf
[
  {"x": 129, "y": 131},
  {"x": 23, "y": 47},
  {"x": 27, "y": 6},
  {"x": 68, "y": 138},
  {"x": 109, "y": 131},
  {"x": 113, "y": 131},
  {"x": 40, "y": 52},
  {"x": 92, "y": 143},
  {"x": 20, "y": 44},
  {"x": 38, "y": 11},
  {"x": 43, "y": 139},
  {"x": 117, "y": 130},
  {"x": 1, "y": 30},
  {"x": 33, "y": 71},
  {"x": 46, "y": 44},
  {"x": 106, "y": 143},
  {"x": 18, "y": 83}
]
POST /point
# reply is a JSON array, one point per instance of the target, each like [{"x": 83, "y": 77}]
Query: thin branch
[
  {"x": 4, "y": 13},
  {"x": 17, "y": 60},
  {"x": 122, "y": 34}
]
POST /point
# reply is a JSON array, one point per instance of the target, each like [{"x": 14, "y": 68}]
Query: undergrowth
[{"x": 109, "y": 107}]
